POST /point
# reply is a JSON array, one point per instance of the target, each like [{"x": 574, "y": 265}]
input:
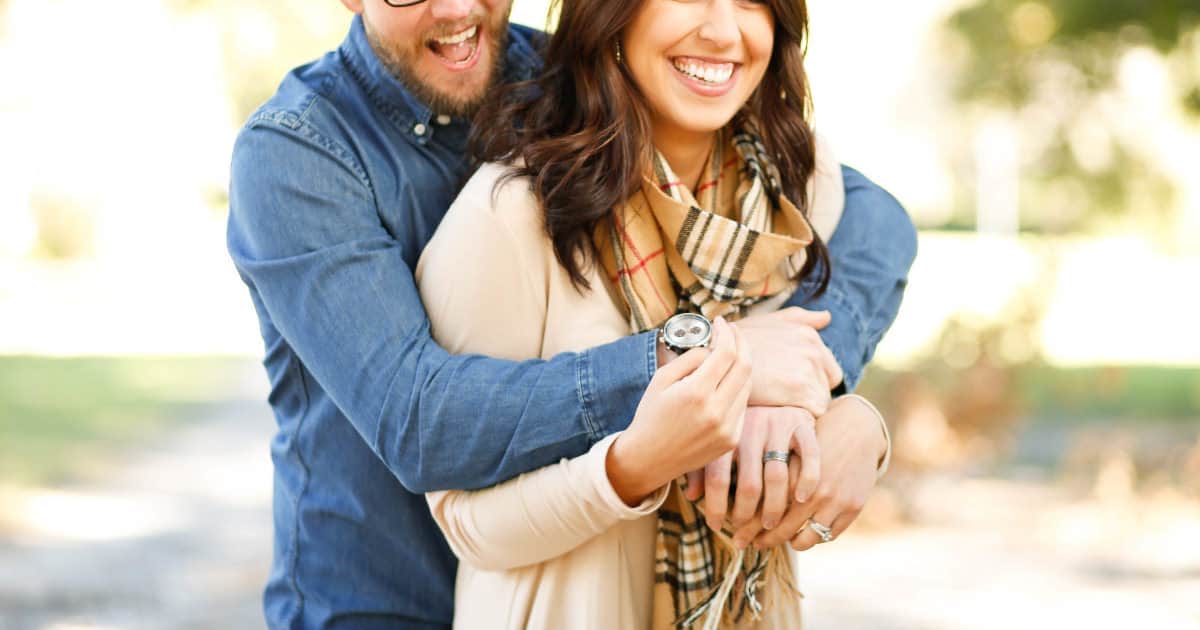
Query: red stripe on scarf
[
  {"x": 632, "y": 270},
  {"x": 642, "y": 262},
  {"x": 709, "y": 184}
]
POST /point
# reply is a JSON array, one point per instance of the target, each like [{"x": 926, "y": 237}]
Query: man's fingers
[
  {"x": 804, "y": 442},
  {"x": 816, "y": 319},
  {"x": 750, "y": 466},
  {"x": 775, "y": 477},
  {"x": 716, "y": 491},
  {"x": 833, "y": 371},
  {"x": 695, "y": 485}
]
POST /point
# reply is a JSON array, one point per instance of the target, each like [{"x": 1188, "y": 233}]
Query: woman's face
[{"x": 698, "y": 61}]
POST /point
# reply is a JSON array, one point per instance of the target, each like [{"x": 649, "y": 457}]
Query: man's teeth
[
  {"x": 457, "y": 38},
  {"x": 709, "y": 73}
]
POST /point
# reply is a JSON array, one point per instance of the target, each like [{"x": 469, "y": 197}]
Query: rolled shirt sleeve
[{"x": 870, "y": 253}]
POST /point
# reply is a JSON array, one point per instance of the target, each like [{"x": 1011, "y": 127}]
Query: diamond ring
[{"x": 824, "y": 532}]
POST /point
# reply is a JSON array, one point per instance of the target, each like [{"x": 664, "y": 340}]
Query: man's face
[{"x": 446, "y": 52}]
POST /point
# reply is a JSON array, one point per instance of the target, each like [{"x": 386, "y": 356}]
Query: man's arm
[
  {"x": 305, "y": 235},
  {"x": 870, "y": 253}
]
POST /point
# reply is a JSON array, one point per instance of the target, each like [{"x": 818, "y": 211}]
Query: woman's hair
[{"x": 582, "y": 128}]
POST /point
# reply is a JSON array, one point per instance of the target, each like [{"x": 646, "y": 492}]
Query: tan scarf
[{"x": 736, "y": 242}]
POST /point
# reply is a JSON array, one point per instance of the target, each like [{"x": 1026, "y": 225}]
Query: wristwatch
[{"x": 686, "y": 331}]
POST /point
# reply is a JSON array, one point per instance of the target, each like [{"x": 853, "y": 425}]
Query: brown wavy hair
[{"x": 582, "y": 127}]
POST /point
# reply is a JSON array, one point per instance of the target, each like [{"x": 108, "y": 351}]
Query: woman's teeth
[{"x": 715, "y": 74}]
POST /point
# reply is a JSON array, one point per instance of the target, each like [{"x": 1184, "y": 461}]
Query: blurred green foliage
[
  {"x": 263, "y": 40},
  {"x": 1009, "y": 38},
  {"x": 65, "y": 226},
  {"x": 1053, "y": 67},
  {"x": 57, "y": 416}
]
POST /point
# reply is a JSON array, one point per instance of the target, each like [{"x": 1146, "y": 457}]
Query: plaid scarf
[{"x": 736, "y": 242}]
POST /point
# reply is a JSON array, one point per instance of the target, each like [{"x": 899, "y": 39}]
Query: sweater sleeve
[
  {"x": 537, "y": 516},
  {"x": 484, "y": 285}
]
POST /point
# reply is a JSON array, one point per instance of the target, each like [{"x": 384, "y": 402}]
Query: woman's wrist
[
  {"x": 628, "y": 472},
  {"x": 885, "y": 451}
]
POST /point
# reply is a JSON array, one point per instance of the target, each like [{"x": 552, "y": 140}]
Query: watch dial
[{"x": 688, "y": 330}]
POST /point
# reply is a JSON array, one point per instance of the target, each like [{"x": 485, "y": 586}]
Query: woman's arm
[
  {"x": 537, "y": 516},
  {"x": 483, "y": 280}
]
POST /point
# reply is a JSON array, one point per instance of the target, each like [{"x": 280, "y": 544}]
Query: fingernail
[
  {"x": 739, "y": 544},
  {"x": 769, "y": 524}
]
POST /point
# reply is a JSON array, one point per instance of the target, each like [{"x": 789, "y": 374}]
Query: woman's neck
[{"x": 686, "y": 152}]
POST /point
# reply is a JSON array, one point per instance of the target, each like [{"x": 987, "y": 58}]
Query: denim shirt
[{"x": 338, "y": 182}]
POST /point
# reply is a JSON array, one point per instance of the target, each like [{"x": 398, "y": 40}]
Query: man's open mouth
[{"x": 458, "y": 48}]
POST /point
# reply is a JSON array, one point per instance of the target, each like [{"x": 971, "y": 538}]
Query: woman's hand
[{"x": 691, "y": 414}]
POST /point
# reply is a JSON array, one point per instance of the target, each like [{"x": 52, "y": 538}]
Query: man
[{"x": 338, "y": 183}]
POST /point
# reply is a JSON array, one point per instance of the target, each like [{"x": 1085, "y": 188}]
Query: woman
[{"x": 654, "y": 172}]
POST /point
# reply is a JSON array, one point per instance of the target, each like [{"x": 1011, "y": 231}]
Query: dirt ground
[{"x": 178, "y": 537}]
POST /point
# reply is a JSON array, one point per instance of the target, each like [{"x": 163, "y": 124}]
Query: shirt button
[
  {"x": 420, "y": 129},
  {"x": 443, "y": 120}
]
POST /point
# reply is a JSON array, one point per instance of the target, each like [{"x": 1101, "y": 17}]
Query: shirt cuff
[
  {"x": 610, "y": 381},
  {"x": 883, "y": 463},
  {"x": 597, "y": 468},
  {"x": 843, "y": 336}
]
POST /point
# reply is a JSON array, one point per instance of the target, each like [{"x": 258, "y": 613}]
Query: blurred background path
[
  {"x": 175, "y": 534},
  {"x": 1042, "y": 379}
]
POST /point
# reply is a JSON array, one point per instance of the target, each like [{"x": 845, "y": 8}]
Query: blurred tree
[
  {"x": 65, "y": 226},
  {"x": 262, "y": 40},
  {"x": 1059, "y": 72}
]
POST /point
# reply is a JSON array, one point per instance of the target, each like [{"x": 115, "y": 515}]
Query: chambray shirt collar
[{"x": 390, "y": 96}]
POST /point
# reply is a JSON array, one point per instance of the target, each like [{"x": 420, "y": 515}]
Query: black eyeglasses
[{"x": 402, "y": 3}]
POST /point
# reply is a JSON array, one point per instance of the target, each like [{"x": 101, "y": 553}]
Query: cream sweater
[{"x": 554, "y": 548}]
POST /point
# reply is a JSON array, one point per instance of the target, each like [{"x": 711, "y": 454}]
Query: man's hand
[
  {"x": 851, "y": 446},
  {"x": 792, "y": 366},
  {"x": 765, "y": 429}
]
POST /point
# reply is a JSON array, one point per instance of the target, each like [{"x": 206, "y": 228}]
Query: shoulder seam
[{"x": 298, "y": 124}]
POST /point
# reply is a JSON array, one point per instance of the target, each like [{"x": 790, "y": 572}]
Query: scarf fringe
[{"x": 770, "y": 568}]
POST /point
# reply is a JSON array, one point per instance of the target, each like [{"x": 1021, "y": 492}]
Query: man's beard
[{"x": 401, "y": 63}]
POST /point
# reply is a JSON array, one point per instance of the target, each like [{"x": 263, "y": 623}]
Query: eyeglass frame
[{"x": 403, "y": 3}]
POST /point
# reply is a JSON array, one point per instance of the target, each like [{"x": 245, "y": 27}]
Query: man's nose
[{"x": 451, "y": 9}]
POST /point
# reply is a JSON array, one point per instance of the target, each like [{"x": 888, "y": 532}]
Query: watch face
[{"x": 687, "y": 330}]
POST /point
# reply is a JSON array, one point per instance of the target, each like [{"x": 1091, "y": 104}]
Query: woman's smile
[{"x": 706, "y": 77}]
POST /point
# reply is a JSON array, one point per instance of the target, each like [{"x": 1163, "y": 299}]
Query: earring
[
  {"x": 618, "y": 51},
  {"x": 782, "y": 94}
]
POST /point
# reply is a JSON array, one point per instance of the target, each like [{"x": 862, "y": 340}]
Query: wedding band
[
  {"x": 824, "y": 532},
  {"x": 776, "y": 456}
]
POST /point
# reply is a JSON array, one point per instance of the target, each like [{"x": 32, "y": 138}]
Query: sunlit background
[{"x": 1042, "y": 380}]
